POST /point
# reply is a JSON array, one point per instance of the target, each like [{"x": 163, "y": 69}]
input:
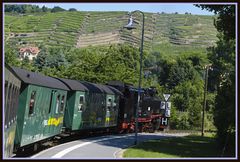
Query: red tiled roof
[{"x": 33, "y": 50}]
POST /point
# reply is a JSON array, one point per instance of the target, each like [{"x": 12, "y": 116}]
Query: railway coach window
[
  {"x": 51, "y": 99},
  {"x": 6, "y": 92},
  {"x": 32, "y": 103},
  {"x": 109, "y": 103},
  {"x": 115, "y": 104},
  {"x": 62, "y": 104},
  {"x": 81, "y": 102},
  {"x": 57, "y": 104},
  {"x": 6, "y": 87},
  {"x": 14, "y": 102},
  {"x": 9, "y": 104},
  {"x": 7, "y": 100}
]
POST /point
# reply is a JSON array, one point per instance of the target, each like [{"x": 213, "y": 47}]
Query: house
[{"x": 30, "y": 52}]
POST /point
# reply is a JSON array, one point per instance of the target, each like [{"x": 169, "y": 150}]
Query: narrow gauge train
[{"x": 50, "y": 106}]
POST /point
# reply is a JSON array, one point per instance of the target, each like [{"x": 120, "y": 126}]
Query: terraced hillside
[
  {"x": 83, "y": 29},
  {"x": 50, "y": 29},
  {"x": 101, "y": 28},
  {"x": 181, "y": 32}
]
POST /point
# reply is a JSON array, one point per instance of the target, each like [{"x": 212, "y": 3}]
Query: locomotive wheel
[
  {"x": 145, "y": 128},
  {"x": 161, "y": 129},
  {"x": 152, "y": 128}
]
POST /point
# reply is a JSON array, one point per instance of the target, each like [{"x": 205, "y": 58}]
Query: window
[
  {"x": 109, "y": 103},
  {"x": 9, "y": 105},
  {"x": 149, "y": 108},
  {"x": 6, "y": 98},
  {"x": 50, "y": 105},
  {"x": 16, "y": 102},
  {"x": 115, "y": 105},
  {"x": 9, "y": 96},
  {"x": 62, "y": 104},
  {"x": 6, "y": 90},
  {"x": 7, "y": 87},
  {"x": 32, "y": 103},
  {"x": 13, "y": 103},
  {"x": 81, "y": 102},
  {"x": 57, "y": 104}
]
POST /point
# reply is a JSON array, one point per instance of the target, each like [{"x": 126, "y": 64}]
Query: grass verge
[{"x": 192, "y": 146}]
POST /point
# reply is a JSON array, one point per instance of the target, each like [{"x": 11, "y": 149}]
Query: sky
[{"x": 181, "y": 8}]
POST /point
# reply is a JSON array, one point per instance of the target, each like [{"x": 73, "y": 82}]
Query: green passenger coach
[
  {"x": 76, "y": 104},
  {"x": 90, "y": 106},
  {"x": 102, "y": 106},
  {"x": 41, "y": 108},
  {"x": 12, "y": 89}
]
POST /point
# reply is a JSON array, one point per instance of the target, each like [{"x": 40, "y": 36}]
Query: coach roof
[
  {"x": 98, "y": 88},
  {"x": 74, "y": 85},
  {"x": 39, "y": 79},
  {"x": 116, "y": 91}
]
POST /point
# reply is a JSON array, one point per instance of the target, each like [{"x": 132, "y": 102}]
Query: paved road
[{"x": 106, "y": 147}]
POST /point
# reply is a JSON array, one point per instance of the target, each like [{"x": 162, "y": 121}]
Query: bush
[{"x": 179, "y": 120}]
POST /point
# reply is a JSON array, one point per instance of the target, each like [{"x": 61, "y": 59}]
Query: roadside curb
[{"x": 119, "y": 154}]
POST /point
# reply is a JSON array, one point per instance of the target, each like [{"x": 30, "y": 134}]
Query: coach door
[
  {"x": 109, "y": 110},
  {"x": 79, "y": 109},
  {"x": 51, "y": 111}
]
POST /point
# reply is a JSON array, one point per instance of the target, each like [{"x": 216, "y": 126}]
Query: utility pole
[{"x": 204, "y": 97}]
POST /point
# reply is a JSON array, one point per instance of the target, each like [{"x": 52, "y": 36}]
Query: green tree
[
  {"x": 121, "y": 63},
  {"x": 223, "y": 63},
  {"x": 10, "y": 56},
  {"x": 56, "y": 58},
  {"x": 187, "y": 98},
  {"x": 57, "y": 9},
  {"x": 100, "y": 65},
  {"x": 198, "y": 60},
  {"x": 27, "y": 64},
  {"x": 180, "y": 72},
  {"x": 223, "y": 58},
  {"x": 82, "y": 65},
  {"x": 22, "y": 8},
  {"x": 51, "y": 61},
  {"x": 41, "y": 60},
  {"x": 44, "y": 9},
  {"x": 72, "y": 9},
  {"x": 224, "y": 116}
]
